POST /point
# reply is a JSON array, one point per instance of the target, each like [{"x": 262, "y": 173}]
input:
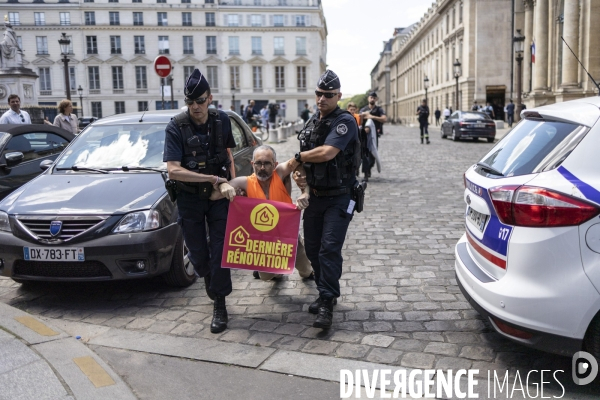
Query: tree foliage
[{"x": 360, "y": 100}]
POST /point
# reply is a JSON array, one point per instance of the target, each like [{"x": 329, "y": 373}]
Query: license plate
[
  {"x": 478, "y": 219},
  {"x": 53, "y": 254},
  {"x": 479, "y": 125}
]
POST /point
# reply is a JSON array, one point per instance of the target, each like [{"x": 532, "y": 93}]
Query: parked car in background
[
  {"x": 23, "y": 148},
  {"x": 469, "y": 124},
  {"x": 529, "y": 260},
  {"x": 102, "y": 212},
  {"x": 85, "y": 121}
]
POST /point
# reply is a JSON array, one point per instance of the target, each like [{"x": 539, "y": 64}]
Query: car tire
[
  {"x": 490, "y": 140},
  {"x": 181, "y": 273},
  {"x": 591, "y": 341},
  {"x": 444, "y": 136},
  {"x": 455, "y": 137}
]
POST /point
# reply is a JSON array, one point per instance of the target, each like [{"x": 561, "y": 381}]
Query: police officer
[
  {"x": 423, "y": 116},
  {"x": 376, "y": 113},
  {"x": 198, "y": 157},
  {"x": 329, "y": 147}
]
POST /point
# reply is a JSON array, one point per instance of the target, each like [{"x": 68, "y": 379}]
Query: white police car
[{"x": 529, "y": 260}]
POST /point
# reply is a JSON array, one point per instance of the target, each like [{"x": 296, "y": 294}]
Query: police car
[{"x": 529, "y": 260}]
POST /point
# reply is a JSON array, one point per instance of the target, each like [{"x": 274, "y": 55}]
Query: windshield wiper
[
  {"x": 125, "y": 168},
  {"x": 77, "y": 169},
  {"x": 489, "y": 168}
]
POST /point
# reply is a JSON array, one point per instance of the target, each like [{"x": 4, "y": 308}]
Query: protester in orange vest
[
  {"x": 352, "y": 108},
  {"x": 271, "y": 181}
]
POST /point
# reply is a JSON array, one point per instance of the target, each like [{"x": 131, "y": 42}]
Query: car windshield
[
  {"x": 113, "y": 146},
  {"x": 474, "y": 115},
  {"x": 534, "y": 146}
]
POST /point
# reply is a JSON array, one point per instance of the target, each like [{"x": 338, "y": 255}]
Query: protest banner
[{"x": 261, "y": 235}]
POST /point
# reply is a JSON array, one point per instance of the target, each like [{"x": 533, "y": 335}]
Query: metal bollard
[{"x": 273, "y": 135}]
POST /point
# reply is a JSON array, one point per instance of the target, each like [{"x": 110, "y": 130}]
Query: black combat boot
[
  {"x": 314, "y": 307},
  {"x": 209, "y": 293},
  {"x": 325, "y": 316},
  {"x": 428, "y": 140},
  {"x": 421, "y": 139},
  {"x": 219, "y": 321}
]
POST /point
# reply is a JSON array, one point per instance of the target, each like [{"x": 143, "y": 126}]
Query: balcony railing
[
  {"x": 45, "y": 92},
  {"x": 94, "y": 91},
  {"x": 118, "y": 91}
]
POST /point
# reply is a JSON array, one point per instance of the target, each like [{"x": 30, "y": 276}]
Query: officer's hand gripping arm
[{"x": 227, "y": 191}]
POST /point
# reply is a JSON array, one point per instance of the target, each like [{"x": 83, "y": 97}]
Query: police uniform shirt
[
  {"x": 174, "y": 139},
  {"x": 377, "y": 112},
  {"x": 343, "y": 131}
]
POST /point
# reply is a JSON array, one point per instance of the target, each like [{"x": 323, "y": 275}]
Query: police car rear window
[{"x": 532, "y": 147}]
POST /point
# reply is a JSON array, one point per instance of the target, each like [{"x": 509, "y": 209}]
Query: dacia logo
[{"x": 55, "y": 228}]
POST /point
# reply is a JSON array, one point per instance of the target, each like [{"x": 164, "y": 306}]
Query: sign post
[{"x": 162, "y": 67}]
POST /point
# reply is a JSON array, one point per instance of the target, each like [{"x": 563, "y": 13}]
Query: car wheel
[
  {"x": 455, "y": 137},
  {"x": 181, "y": 273},
  {"x": 490, "y": 140},
  {"x": 444, "y": 136},
  {"x": 591, "y": 341}
]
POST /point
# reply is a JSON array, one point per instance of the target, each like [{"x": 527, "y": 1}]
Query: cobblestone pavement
[{"x": 400, "y": 304}]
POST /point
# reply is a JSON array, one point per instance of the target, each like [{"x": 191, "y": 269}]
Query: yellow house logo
[
  {"x": 238, "y": 237},
  {"x": 264, "y": 217}
]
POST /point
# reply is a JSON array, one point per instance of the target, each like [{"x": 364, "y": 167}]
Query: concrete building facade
[{"x": 266, "y": 50}]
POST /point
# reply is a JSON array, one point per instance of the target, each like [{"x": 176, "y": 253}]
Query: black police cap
[
  {"x": 329, "y": 81},
  {"x": 195, "y": 85},
  {"x": 373, "y": 94}
]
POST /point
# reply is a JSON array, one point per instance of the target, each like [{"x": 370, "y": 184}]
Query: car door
[
  {"x": 242, "y": 153},
  {"x": 35, "y": 147}
]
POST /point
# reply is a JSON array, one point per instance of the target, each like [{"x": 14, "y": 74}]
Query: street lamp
[
  {"x": 519, "y": 41},
  {"x": 64, "y": 48},
  {"x": 457, "y": 73},
  {"x": 426, "y": 84},
  {"x": 80, "y": 91}
]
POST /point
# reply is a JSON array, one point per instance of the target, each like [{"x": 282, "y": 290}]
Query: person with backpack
[
  {"x": 423, "y": 116},
  {"x": 305, "y": 114},
  {"x": 489, "y": 110},
  {"x": 437, "y": 114}
]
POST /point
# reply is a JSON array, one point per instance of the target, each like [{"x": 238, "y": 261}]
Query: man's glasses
[
  {"x": 265, "y": 165},
  {"x": 327, "y": 95},
  {"x": 22, "y": 117},
  {"x": 200, "y": 100}
]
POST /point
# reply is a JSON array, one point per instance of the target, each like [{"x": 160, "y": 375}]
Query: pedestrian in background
[
  {"x": 329, "y": 146},
  {"x": 65, "y": 118},
  {"x": 249, "y": 114},
  {"x": 264, "y": 116},
  {"x": 15, "y": 115},
  {"x": 489, "y": 110},
  {"x": 510, "y": 112},
  {"x": 273, "y": 111},
  {"x": 423, "y": 116},
  {"x": 437, "y": 114},
  {"x": 475, "y": 107},
  {"x": 446, "y": 113},
  {"x": 305, "y": 115}
]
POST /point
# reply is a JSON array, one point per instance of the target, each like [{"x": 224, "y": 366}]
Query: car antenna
[
  {"x": 142, "y": 118},
  {"x": 586, "y": 71}
]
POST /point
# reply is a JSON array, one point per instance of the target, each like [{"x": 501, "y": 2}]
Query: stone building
[{"x": 266, "y": 50}]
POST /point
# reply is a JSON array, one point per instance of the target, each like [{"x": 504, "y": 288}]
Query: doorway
[{"x": 496, "y": 96}]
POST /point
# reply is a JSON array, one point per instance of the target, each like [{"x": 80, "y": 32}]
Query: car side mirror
[
  {"x": 44, "y": 165},
  {"x": 13, "y": 158}
]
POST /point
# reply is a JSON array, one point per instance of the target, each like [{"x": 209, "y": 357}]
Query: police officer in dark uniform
[
  {"x": 330, "y": 154},
  {"x": 199, "y": 160},
  {"x": 423, "y": 116},
  {"x": 376, "y": 113}
]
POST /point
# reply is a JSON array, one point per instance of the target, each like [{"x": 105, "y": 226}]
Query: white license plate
[
  {"x": 479, "y": 125},
  {"x": 53, "y": 254},
  {"x": 478, "y": 219}
]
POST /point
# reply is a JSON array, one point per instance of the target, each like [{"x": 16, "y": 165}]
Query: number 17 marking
[{"x": 503, "y": 233}]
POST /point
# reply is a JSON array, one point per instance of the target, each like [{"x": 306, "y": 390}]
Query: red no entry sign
[{"x": 162, "y": 66}]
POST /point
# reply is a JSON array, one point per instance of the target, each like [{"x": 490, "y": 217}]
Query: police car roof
[
  {"x": 584, "y": 111},
  {"x": 150, "y": 117}
]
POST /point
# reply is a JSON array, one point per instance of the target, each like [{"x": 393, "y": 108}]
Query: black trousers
[
  {"x": 194, "y": 216},
  {"x": 423, "y": 127},
  {"x": 326, "y": 222}
]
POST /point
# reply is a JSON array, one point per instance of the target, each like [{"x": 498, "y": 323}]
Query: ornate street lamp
[
  {"x": 64, "y": 48},
  {"x": 457, "y": 74},
  {"x": 426, "y": 85},
  {"x": 80, "y": 91},
  {"x": 519, "y": 41}
]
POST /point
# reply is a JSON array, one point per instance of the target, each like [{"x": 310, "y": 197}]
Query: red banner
[{"x": 261, "y": 235}]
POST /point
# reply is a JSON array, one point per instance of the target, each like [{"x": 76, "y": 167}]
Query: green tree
[{"x": 360, "y": 100}]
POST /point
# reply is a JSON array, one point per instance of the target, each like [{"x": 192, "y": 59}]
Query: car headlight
[
  {"x": 4, "y": 222},
  {"x": 139, "y": 221}
]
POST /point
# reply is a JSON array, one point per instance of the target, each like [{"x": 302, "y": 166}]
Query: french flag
[{"x": 533, "y": 52}]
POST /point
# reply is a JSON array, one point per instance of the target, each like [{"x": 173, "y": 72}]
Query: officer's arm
[
  {"x": 178, "y": 173},
  {"x": 319, "y": 154},
  {"x": 240, "y": 183},
  {"x": 232, "y": 165},
  {"x": 381, "y": 119}
]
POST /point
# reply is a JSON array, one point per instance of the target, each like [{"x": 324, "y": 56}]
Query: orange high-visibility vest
[{"x": 277, "y": 190}]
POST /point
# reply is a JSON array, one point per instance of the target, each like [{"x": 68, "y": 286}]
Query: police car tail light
[{"x": 502, "y": 199}]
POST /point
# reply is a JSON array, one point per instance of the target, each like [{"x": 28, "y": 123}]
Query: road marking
[
  {"x": 36, "y": 326},
  {"x": 94, "y": 371}
]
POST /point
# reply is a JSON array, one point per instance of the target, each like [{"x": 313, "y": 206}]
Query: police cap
[
  {"x": 329, "y": 81},
  {"x": 373, "y": 94},
  {"x": 195, "y": 85}
]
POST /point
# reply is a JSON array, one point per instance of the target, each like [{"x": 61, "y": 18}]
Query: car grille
[
  {"x": 73, "y": 226},
  {"x": 85, "y": 269}
]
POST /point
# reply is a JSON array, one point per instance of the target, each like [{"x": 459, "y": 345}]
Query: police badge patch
[{"x": 341, "y": 129}]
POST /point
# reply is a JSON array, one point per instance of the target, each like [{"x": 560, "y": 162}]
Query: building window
[
  {"x": 97, "y": 109},
  {"x": 90, "y": 18},
  {"x": 234, "y": 45},
  {"x": 188, "y": 45},
  {"x": 453, "y": 17},
  {"x": 209, "y": 1},
  {"x": 161, "y": 1},
  {"x": 13, "y": 18},
  {"x": 256, "y": 20},
  {"x": 142, "y": 106},
  {"x": 278, "y": 20},
  {"x": 279, "y": 77},
  {"x": 163, "y": 45},
  {"x": 448, "y": 23},
  {"x": 39, "y": 18},
  {"x": 234, "y": 75},
  {"x": 460, "y": 12},
  {"x": 301, "y": 71},
  {"x": 94, "y": 78},
  {"x": 136, "y": 1},
  {"x": 233, "y": 20},
  {"x": 91, "y": 44},
  {"x": 113, "y": 18},
  {"x": 88, "y": 1},
  {"x": 117, "y": 77},
  {"x": 210, "y": 19},
  {"x": 119, "y": 107},
  {"x": 185, "y": 1},
  {"x": 65, "y": 18},
  {"x": 258, "y": 2},
  {"x": 115, "y": 45},
  {"x": 139, "y": 45},
  {"x": 20, "y": 42},
  {"x": 113, "y": 1},
  {"x": 45, "y": 83},
  {"x": 300, "y": 46},
  {"x": 211, "y": 45},
  {"x": 72, "y": 79},
  {"x": 187, "y": 71},
  {"x": 212, "y": 76},
  {"x": 300, "y": 20},
  {"x": 278, "y": 45},
  {"x": 42, "y": 45},
  {"x": 282, "y": 2},
  {"x": 138, "y": 18},
  {"x": 186, "y": 19},
  {"x": 162, "y": 18},
  {"x": 140, "y": 78},
  {"x": 257, "y": 77},
  {"x": 256, "y": 45}
]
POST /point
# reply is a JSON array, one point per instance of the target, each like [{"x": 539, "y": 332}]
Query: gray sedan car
[{"x": 101, "y": 211}]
